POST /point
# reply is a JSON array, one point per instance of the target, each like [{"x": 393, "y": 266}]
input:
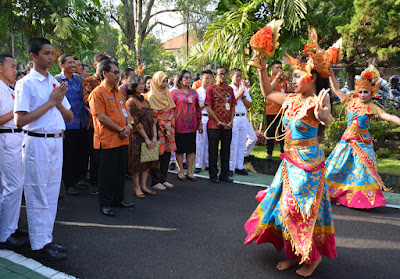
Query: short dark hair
[
  {"x": 62, "y": 58},
  {"x": 276, "y": 62},
  {"x": 76, "y": 58},
  {"x": 100, "y": 58},
  {"x": 132, "y": 84},
  {"x": 36, "y": 44},
  {"x": 220, "y": 67},
  {"x": 84, "y": 65},
  {"x": 3, "y": 57},
  {"x": 105, "y": 66},
  {"x": 180, "y": 77},
  {"x": 206, "y": 72},
  {"x": 235, "y": 70},
  {"x": 125, "y": 73}
]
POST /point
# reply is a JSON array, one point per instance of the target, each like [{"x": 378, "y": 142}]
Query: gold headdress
[
  {"x": 369, "y": 80},
  {"x": 318, "y": 59}
]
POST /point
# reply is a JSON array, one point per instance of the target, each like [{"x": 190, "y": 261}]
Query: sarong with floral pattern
[
  {"x": 352, "y": 174},
  {"x": 296, "y": 209}
]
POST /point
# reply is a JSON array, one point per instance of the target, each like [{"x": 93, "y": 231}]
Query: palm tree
[{"x": 226, "y": 41}]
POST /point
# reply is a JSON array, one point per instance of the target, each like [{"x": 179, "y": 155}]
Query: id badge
[
  {"x": 283, "y": 90},
  {"x": 190, "y": 100},
  {"x": 124, "y": 112},
  {"x": 227, "y": 106}
]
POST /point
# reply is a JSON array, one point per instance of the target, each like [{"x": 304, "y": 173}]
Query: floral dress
[
  {"x": 163, "y": 116},
  {"x": 352, "y": 174},
  {"x": 296, "y": 212},
  {"x": 142, "y": 117}
]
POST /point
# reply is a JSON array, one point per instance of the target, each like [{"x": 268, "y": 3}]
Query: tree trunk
[{"x": 350, "y": 73}]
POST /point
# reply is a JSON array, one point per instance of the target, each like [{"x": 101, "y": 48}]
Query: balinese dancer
[
  {"x": 295, "y": 212},
  {"x": 352, "y": 175}
]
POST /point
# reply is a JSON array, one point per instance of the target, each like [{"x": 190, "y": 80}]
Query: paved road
[{"x": 195, "y": 230}]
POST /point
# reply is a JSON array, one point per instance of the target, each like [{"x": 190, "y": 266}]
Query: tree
[
  {"x": 137, "y": 18},
  {"x": 226, "y": 40},
  {"x": 372, "y": 34}
]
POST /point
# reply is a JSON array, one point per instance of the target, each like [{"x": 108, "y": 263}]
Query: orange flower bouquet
[
  {"x": 334, "y": 53},
  {"x": 265, "y": 41}
]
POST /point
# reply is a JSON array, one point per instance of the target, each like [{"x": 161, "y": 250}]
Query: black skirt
[{"x": 185, "y": 143}]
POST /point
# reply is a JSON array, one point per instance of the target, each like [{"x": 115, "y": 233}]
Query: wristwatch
[
  {"x": 219, "y": 123},
  {"x": 130, "y": 126}
]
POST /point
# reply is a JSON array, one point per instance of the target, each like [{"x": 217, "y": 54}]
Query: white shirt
[
  {"x": 31, "y": 92},
  {"x": 240, "y": 107},
  {"x": 6, "y": 104},
  {"x": 202, "y": 97}
]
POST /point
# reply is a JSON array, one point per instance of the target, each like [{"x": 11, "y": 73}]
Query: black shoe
[
  {"x": 106, "y": 210},
  {"x": 58, "y": 247},
  {"x": 182, "y": 178},
  {"x": 241, "y": 172},
  {"x": 94, "y": 190},
  {"x": 13, "y": 243},
  {"x": 72, "y": 191},
  {"x": 125, "y": 204},
  {"x": 226, "y": 179},
  {"x": 230, "y": 173},
  {"x": 20, "y": 232},
  {"x": 207, "y": 168},
  {"x": 51, "y": 254},
  {"x": 192, "y": 178},
  {"x": 128, "y": 176},
  {"x": 81, "y": 185},
  {"x": 172, "y": 166},
  {"x": 214, "y": 180},
  {"x": 197, "y": 170},
  {"x": 184, "y": 165}
]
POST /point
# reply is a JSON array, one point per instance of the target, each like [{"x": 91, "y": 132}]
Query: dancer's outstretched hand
[{"x": 322, "y": 110}]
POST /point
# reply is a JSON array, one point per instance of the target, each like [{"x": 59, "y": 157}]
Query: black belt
[
  {"x": 240, "y": 114},
  {"x": 33, "y": 134},
  {"x": 205, "y": 114},
  {"x": 16, "y": 130}
]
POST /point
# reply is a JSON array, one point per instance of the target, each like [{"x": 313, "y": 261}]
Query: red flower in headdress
[
  {"x": 367, "y": 75},
  {"x": 308, "y": 47}
]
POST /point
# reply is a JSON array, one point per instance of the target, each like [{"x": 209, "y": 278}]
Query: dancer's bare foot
[
  {"x": 283, "y": 265},
  {"x": 307, "y": 269}
]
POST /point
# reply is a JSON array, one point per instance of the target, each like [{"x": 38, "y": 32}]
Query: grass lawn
[{"x": 385, "y": 165}]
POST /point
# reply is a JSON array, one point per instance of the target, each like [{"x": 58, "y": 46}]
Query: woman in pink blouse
[{"x": 187, "y": 122}]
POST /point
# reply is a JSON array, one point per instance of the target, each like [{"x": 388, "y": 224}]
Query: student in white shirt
[
  {"x": 202, "y": 139},
  {"x": 41, "y": 108},
  {"x": 240, "y": 123},
  {"x": 11, "y": 171}
]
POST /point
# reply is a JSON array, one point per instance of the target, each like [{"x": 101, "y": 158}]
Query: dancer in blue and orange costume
[
  {"x": 296, "y": 212},
  {"x": 352, "y": 175}
]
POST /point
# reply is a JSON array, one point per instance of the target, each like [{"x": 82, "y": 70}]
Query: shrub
[{"x": 383, "y": 153}]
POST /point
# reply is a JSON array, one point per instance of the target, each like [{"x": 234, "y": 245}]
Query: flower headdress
[
  {"x": 369, "y": 80},
  {"x": 318, "y": 59}
]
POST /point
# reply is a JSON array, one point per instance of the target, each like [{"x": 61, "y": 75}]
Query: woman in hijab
[{"x": 164, "y": 109}]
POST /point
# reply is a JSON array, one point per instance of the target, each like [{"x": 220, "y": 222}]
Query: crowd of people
[
  {"x": 112, "y": 124},
  {"x": 92, "y": 131}
]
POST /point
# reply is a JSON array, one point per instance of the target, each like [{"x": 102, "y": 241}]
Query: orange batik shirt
[
  {"x": 271, "y": 107},
  {"x": 111, "y": 102},
  {"x": 89, "y": 84}
]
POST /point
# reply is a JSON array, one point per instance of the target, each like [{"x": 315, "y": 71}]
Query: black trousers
[
  {"x": 74, "y": 156},
  {"x": 94, "y": 159},
  {"x": 160, "y": 175},
  {"x": 214, "y": 137},
  {"x": 111, "y": 176},
  {"x": 271, "y": 133}
]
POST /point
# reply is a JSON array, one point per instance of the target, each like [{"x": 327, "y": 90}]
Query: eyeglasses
[
  {"x": 363, "y": 92},
  {"x": 115, "y": 72}
]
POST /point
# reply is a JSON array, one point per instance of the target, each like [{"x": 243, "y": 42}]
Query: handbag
[{"x": 147, "y": 155}]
